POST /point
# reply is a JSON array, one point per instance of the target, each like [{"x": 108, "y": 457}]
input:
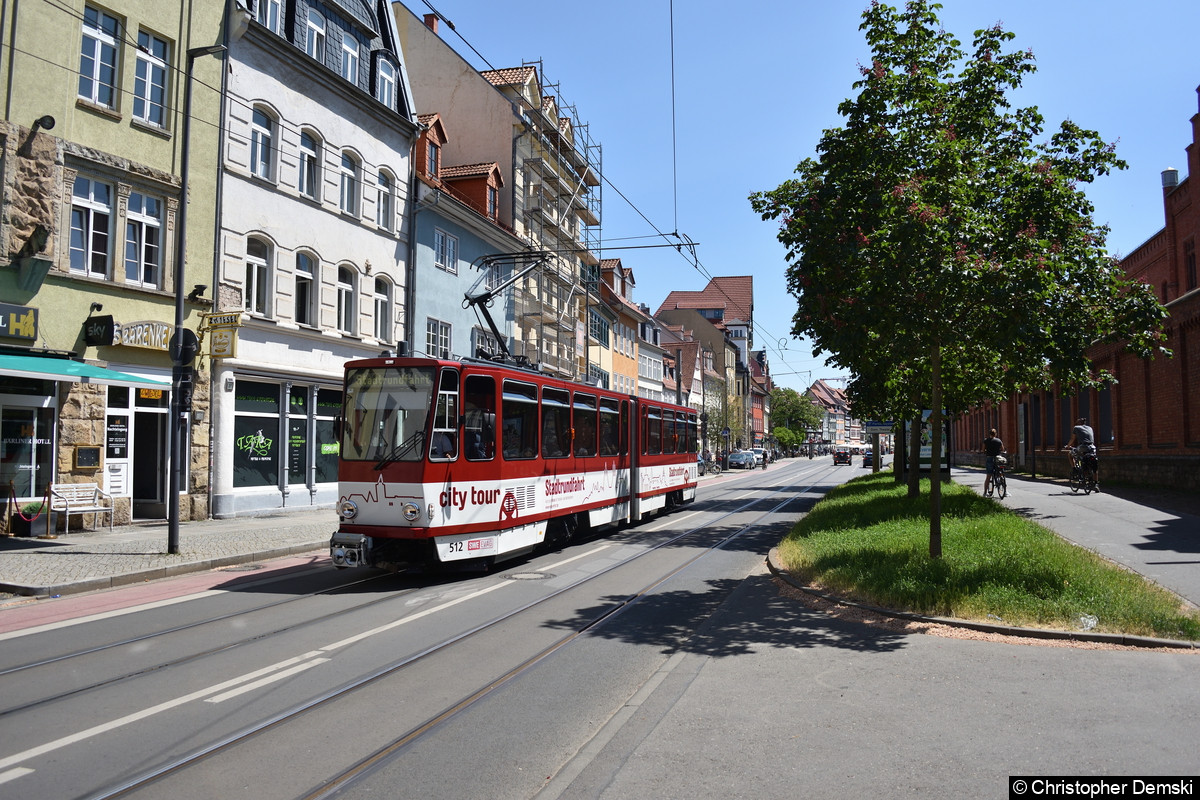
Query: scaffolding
[{"x": 556, "y": 206}]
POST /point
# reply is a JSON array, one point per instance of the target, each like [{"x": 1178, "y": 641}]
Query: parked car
[
  {"x": 841, "y": 456},
  {"x": 741, "y": 460},
  {"x": 759, "y": 454}
]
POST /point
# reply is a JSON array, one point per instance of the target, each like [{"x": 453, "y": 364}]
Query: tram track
[
  {"x": 191, "y": 626},
  {"x": 382, "y": 755}
]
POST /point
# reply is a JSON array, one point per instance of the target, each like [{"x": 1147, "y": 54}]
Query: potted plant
[{"x": 33, "y": 519}]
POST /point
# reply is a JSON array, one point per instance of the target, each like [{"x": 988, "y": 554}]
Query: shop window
[{"x": 256, "y": 434}]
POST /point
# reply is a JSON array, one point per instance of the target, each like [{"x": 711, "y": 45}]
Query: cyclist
[
  {"x": 1083, "y": 444},
  {"x": 992, "y": 447}
]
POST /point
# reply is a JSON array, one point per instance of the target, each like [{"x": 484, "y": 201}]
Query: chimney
[
  {"x": 1170, "y": 178},
  {"x": 431, "y": 22}
]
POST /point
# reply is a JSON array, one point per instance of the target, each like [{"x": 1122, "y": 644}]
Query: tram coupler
[{"x": 348, "y": 549}]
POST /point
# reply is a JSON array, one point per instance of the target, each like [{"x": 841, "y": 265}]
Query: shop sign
[
  {"x": 147, "y": 334},
  {"x": 19, "y": 322},
  {"x": 99, "y": 331},
  {"x": 223, "y": 329}
]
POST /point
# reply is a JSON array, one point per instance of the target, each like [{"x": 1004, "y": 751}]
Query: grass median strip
[{"x": 869, "y": 542}]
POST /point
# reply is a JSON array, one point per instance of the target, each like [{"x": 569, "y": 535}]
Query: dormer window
[{"x": 431, "y": 160}]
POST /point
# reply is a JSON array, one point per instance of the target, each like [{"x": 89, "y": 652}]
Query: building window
[
  {"x": 143, "y": 241},
  {"x": 385, "y": 88},
  {"x": 350, "y": 58},
  {"x": 597, "y": 376},
  {"x": 348, "y": 198},
  {"x": 258, "y": 276},
  {"x": 98, "y": 58},
  {"x": 310, "y": 166},
  {"x": 267, "y": 13},
  {"x": 150, "y": 83},
  {"x": 345, "y": 300},
  {"x": 598, "y": 328},
  {"x": 383, "y": 310},
  {"x": 493, "y": 202},
  {"x": 1189, "y": 263},
  {"x": 437, "y": 338},
  {"x": 445, "y": 251},
  {"x": 306, "y": 270},
  {"x": 314, "y": 41},
  {"x": 383, "y": 209},
  {"x": 262, "y": 137},
  {"x": 431, "y": 159},
  {"x": 91, "y": 216}
]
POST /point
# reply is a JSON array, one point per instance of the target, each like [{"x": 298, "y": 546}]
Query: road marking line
[
  {"x": 249, "y": 687},
  {"x": 550, "y": 567},
  {"x": 389, "y": 626},
  {"x": 66, "y": 623},
  {"x": 13, "y": 774},
  {"x": 137, "y": 716}
]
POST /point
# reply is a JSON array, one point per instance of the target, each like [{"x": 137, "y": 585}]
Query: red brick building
[{"x": 1147, "y": 424}]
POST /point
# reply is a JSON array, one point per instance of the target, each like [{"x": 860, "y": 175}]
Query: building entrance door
[{"x": 149, "y": 464}]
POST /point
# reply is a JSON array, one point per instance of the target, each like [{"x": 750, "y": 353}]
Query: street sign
[{"x": 872, "y": 426}]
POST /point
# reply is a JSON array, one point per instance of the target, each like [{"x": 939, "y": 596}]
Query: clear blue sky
[{"x": 756, "y": 83}]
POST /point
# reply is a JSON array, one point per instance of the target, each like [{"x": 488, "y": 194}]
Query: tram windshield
[{"x": 386, "y": 409}]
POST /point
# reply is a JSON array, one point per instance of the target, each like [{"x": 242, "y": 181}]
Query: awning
[{"x": 65, "y": 369}]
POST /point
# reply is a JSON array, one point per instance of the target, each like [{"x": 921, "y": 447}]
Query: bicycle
[
  {"x": 1083, "y": 473},
  {"x": 999, "y": 483}
]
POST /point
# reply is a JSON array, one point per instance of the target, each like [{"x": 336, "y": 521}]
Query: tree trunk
[
  {"x": 914, "y": 455},
  {"x": 935, "y": 457}
]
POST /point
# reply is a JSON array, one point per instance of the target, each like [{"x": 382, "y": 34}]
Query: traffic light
[{"x": 187, "y": 376}]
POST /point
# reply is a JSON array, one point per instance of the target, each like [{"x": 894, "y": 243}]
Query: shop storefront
[
  {"x": 64, "y": 420},
  {"x": 279, "y": 450}
]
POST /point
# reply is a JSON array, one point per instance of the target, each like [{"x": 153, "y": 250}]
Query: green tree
[
  {"x": 940, "y": 249},
  {"x": 795, "y": 412}
]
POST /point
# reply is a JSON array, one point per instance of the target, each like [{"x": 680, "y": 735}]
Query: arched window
[
  {"x": 309, "y": 180},
  {"x": 350, "y": 58},
  {"x": 384, "y": 209},
  {"x": 306, "y": 289},
  {"x": 314, "y": 42},
  {"x": 256, "y": 291},
  {"x": 385, "y": 83},
  {"x": 345, "y": 300},
  {"x": 350, "y": 183},
  {"x": 262, "y": 144},
  {"x": 383, "y": 310}
]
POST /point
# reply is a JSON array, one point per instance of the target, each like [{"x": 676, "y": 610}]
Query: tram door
[{"x": 149, "y": 448}]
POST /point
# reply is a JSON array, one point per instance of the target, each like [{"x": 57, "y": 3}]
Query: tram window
[
  {"x": 670, "y": 433},
  {"x": 443, "y": 445},
  {"x": 556, "y": 423},
  {"x": 624, "y": 427},
  {"x": 610, "y": 428},
  {"x": 479, "y": 411},
  {"x": 652, "y": 431},
  {"x": 519, "y": 411},
  {"x": 693, "y": 444},
  {"x": 585, "y": 425}
]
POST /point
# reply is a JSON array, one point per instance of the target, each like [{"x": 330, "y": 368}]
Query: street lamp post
[{"x": 182, "y": 351}]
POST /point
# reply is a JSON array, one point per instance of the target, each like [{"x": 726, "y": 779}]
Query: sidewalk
[{"x": 83, "y": 561}]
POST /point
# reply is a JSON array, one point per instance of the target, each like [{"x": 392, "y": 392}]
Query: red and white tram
[{"x": 444, "y": 461}]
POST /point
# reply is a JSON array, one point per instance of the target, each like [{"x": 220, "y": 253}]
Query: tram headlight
[
  {"x": 411, "y": 511},
  {"x": 348, "y": 509}
]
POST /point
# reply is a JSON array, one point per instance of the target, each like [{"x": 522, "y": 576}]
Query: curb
[
  {"x": 986, "y": 627},
  {"x": 157, "y": 573}
]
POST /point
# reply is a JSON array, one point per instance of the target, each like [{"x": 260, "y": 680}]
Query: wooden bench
[{"x": 81, "y": 498}]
